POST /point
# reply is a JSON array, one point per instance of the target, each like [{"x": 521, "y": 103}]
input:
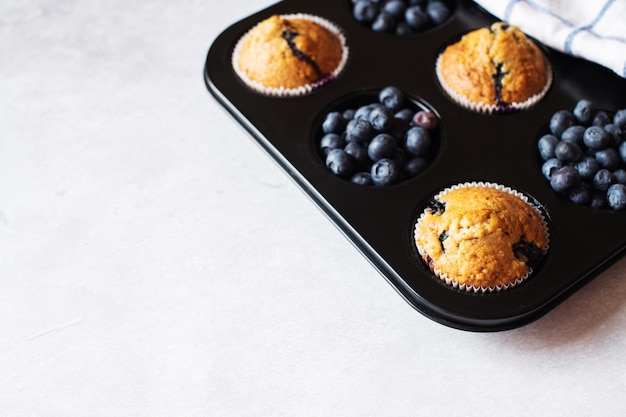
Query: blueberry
[
  {"x": 334, "y": 123},
  {"x": 622, "y": 151},
  {"x": 415, "y": 165},
  {"x": 384, "y": 23},
  {"x": 616, "y": 196},
  {"x": 620, "y": 175},
  {"x": 615, "y": 133},
  {"x": 417, "y": 141},
  {"x": 560, "y": 121},
  {"x": 603, "y": 180},
  {"x": 608, "y": 158},
  {"x": 564, "y": 178},
  {"x": 348, "y": 114},
  {"x": 587, "y": 168},
  {"x": 365, "y": 11},
  {"x": 362, "y": 178},
  {"x": 385, "y": 172},
  {"x": 437, "y": 11},
  {"x": 395, "y": 8},
  {"x": 567, "y": 151},
  {"x": 550, "y": 167},
  {"x": 382, "y": 146},
  {"x": 392, "y": 98},
  {"x": 601, "y": 118},
  {"x": 574, "y": 134},
  {"x": 425, "y": 119},
  {"x": 580, "y": 194},
  {"x": 405, "y": 114},
  {"x": 416, "y": 17},
  {"x": 598, "y": 200},
  {"x": 363, "y": 112},
  {"x": 358, "y": 152},
  {"x": 331, "y": 141},
  {"x": 403, "y": 29},
  {"x": 595, "y": 137},
  {"x": 381, "y": 119},
  {"x": 619, "y": 119},
  {"x": 339, "y": 162},
  {"x": 584, "y": 111},
  {"x": 359, "y": 130},
  {"x": 546, "y": 146}
]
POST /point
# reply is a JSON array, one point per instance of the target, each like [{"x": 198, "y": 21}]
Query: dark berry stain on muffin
[
  {"x": 528, "y": 252},
  {"x": 497, "y": 80},
  {"x": 443, "y": 236},
  {"x": 436, "y": 207},
  {"x": 289, "y": 34}
]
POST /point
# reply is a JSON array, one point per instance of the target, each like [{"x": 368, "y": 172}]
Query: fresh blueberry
[
  {"x": 382, "y": 146},
  {"x": 437, "y": 11},
  {"x": 416, "y": 17},
  {"x": 415, "y": 165},
  {"x": 385, "y": 172},
  {"x": 622, "y": 151},
  {"x": 363, "y": 112},
  {"x": 392, "y": 98},
  {"x": 405, "y": 114},
  {"x": 339, "y": 162},
  {"x": 348, "y": 114},
  {"x": 381, "y": 118},
  {"x": 560, "y": 121},
  {"x": 550, "y": 167},
  {"x": 619, "y": 119},
  {"x": 598, "y": 200},
  {"x": 417, "y": 141},
  {"x": 584, "y": 111},
  {"x": 608, "y": 158},
  {"x": 587, "y": 168},
  {"x": 546, "y": 145},
  {"x": 615, "y": 133},
  {"x": 616, "y": 196},
  {"x": 580, "y": 194},
  {"x": 425, "y": 119},
  {"x": 601, "y": 118},
  {"x": 365, "y": 11},
  {"x": 358, "y": 152},
  {"x": 331, "y": 141},
  {"x": 567, "y": 151},
  {"x": 395, "y": 8},
  {"x": 359, "y": 130},
  {"x": 620, "y": 175},
  {"x": 362, "y": 178},
  {"x": 384, "y": 23},
  {"x": 574, "y": 134},
  {"x": 564, "y": 178},
  {"x": 334, "y": 123},
  {"x": 595, "y": 137},
  {"x": 603, "y": 180},
  {"x": 403, "y": 29}
]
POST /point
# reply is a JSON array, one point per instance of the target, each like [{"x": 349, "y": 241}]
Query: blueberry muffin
[
  {"x": 481, "y": 237},
  {"x": 494, "y": 69},
  {"x": 290, "y": 54}
]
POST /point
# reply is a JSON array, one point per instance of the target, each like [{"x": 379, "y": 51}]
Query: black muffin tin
[{"x": 502, "y": 149}]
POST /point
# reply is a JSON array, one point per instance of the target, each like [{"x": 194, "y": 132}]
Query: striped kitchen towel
[{"x": 590, "y": 29}]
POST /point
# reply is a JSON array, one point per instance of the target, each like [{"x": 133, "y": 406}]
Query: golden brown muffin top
[
  {"x": 289, "y": 52},
  {"x": 481, "y": 236},
  {"x": 495, "y": 65}
]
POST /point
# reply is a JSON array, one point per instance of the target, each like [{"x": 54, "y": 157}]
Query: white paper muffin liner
[
  {"x": 493, "y": 108},
  {"x": 305, "y": 89},
  {"x": 484, "y": 289}
]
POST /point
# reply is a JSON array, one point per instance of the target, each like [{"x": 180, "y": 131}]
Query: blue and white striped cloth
[{"x": 590, "y": 29}]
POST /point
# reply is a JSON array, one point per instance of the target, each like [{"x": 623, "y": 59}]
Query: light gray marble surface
[{"x": 155, "y": 262}]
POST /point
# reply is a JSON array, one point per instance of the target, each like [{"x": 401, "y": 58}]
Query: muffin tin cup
[{"x": 502, "y": 149}]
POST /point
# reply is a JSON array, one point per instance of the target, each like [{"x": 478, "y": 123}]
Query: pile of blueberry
[
  {"x": 402, "y": 17},
  {"x": 584, "y": 156},
  {"x": 380, "y": 143}
]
